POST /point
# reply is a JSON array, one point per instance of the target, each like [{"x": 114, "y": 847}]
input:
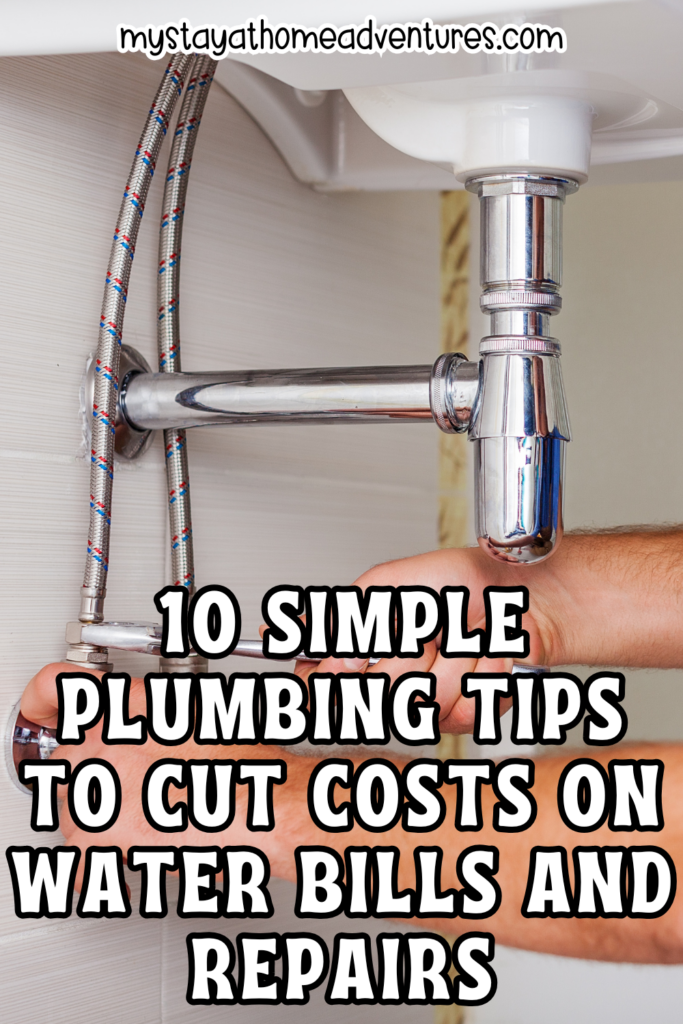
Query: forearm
[
  {"x": 657, "y": 941},
  {"x": 602, "y": 599},
  {"x": 610, "y": 599}
]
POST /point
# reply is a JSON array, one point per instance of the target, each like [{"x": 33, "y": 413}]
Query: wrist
[
  {"x": 612, "y": 598},
  {"x": 556, "y": 620}
]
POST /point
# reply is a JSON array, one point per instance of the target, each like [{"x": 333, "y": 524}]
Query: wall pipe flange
[
  {"x": 129, "y": 443},
  {"x": 26, "y": 741}
]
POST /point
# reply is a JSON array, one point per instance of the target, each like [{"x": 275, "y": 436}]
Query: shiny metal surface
[
  {"x": 521, "y": 424},
  {"x": 518, "y": 496},
  {"x": 89, "y": 658},
  {"x": 249, "y": 649},
  {"x": 129, "y": 443},
  {"x": 192, "y": 663},
  {"x": 520, "y": 668},
  {"x": 25, "y": 741},
  {"x": 542, "y": 302},
  {"x": 333, "y": 395},
  {"x": 529, "y": 323},
  {"x": 520, "y": 242},
  {"x": 522, "y": 393},
  {"x": 453, "y": 392},
  {"x": 521, "y": 183},
  {"x": 143, "y": 637}
]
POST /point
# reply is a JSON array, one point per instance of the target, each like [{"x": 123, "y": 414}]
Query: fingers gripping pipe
[
  {"x": 109, "y": 345},
  {"x": 25, "y": 740},
  {"x": 168, "y": 323}
]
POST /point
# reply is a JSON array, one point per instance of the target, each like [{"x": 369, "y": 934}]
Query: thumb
[{"x": 39, "y": 701}]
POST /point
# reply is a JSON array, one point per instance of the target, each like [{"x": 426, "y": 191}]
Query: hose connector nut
[
  {"x": 83, "y": 654},
  {"x": 94, "y": 659}
]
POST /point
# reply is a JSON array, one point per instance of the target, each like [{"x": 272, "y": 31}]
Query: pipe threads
[
  {"x": 515, "y": 343},
  {"x": 499, "y": 301},
  {"x": 438, "y": 391}
]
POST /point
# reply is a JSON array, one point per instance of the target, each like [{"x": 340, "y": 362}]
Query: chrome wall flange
[
  {"x": 129, "y": 443},
  {"x": 25, "y": 741}
]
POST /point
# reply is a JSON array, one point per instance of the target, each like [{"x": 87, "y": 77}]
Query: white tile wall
[{"x": 274, "y": 275}]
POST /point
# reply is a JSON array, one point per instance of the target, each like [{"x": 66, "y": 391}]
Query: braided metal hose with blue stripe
[
  {"x": 168, "y": 324},
  {"x": 109, "y": 342}
]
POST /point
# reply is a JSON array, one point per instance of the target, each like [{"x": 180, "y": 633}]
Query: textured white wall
[{"x": 274, "y": 275}]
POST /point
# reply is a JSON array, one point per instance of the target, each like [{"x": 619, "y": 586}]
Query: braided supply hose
[
  {"x": 168, "y": 324},
  {"x": 109, "y": 342}
]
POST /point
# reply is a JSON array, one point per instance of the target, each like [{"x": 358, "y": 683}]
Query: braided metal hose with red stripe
[
  {"x": 109, "y": 342},
  {"x": 168, "y": 324}
]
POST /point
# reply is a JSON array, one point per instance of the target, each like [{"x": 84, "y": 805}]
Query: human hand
[
  {"x": 468, "y": 567},
  {"x": 456, "y": 713},
  {"x": 131, "y": 763}
]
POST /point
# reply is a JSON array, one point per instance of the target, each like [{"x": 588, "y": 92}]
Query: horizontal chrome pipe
[
  {"x": 445, "y": 393},
  {"x": 146, "y": 638},
  {"x": 155, "y": 401}
]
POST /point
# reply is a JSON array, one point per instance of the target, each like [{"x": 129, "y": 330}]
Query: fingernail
[{"x": 355, "y": 664}]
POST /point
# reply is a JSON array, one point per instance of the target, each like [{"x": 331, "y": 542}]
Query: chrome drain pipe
[
  {"x": 521, "y": 425},
  {"x": 332, "y": 395},
  {"x": 511, "y": 402},
  {"x": 445, "y": 393}
]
